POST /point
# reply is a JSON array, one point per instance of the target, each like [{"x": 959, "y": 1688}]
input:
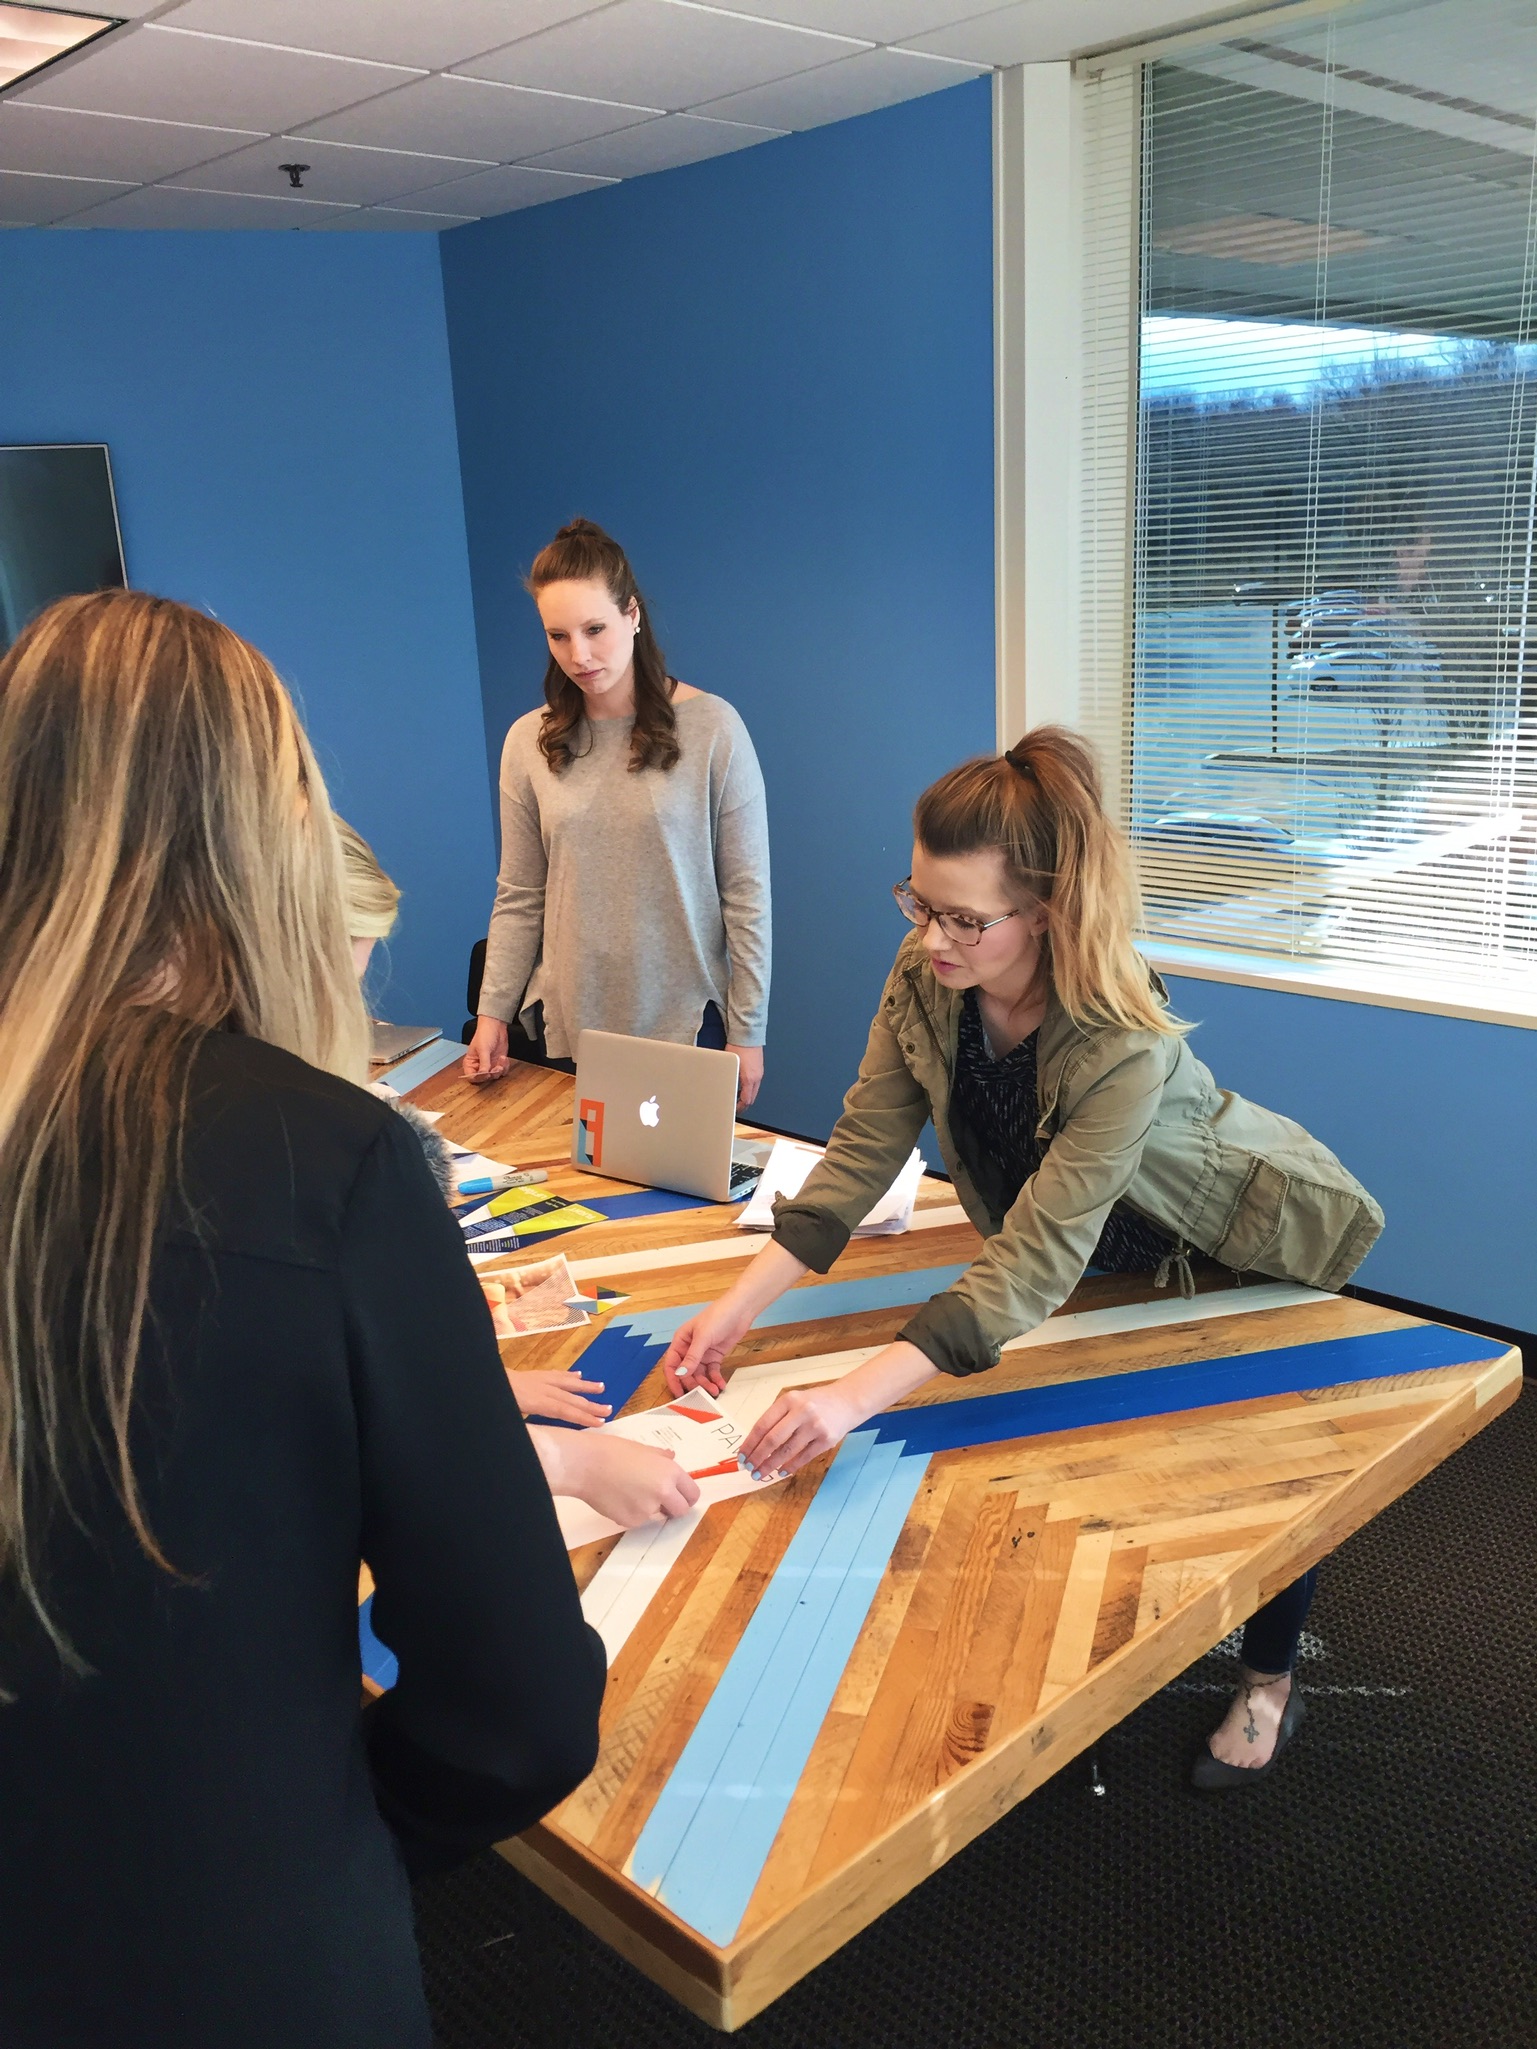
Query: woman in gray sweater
[{"x": 634, "y": 887}]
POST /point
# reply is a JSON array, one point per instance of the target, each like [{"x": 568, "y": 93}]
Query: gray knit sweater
[{"x": 628, "y": 902}]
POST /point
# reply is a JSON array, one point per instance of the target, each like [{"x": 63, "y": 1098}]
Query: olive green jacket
[{"x": 1128, "y": 1116}]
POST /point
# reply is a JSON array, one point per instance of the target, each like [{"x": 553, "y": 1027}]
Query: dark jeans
[
  {"x": 712, "y": 1033},
  {"x": 1271, "y": 1633}
]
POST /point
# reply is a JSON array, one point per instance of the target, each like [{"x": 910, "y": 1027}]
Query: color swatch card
[{"x": 519, "y": 1217}]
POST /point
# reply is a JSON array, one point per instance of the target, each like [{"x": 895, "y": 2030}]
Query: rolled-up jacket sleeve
[
  {"x": 1031, "y": 1265},
  {"x": 883, "y": 1115}
]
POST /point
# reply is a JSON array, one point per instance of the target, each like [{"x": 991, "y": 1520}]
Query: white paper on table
[
  {"x": 789, "y": 1165},
  {"x": 699, "y": 1434}
]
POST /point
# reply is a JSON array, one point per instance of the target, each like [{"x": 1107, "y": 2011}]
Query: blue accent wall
[
  {"x": 770, "y": 376},
  {"x": 1437, "y": 1115},
  {"x": 280, "y": 419}
]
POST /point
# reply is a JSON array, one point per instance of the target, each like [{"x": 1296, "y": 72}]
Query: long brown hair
[
  {"x": 1040, "y": 806},
  {"x": 168, "y": 867},
  {"x": 582, "y": 553}
]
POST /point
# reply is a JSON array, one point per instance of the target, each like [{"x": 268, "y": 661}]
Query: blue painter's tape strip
[
  {"x": 626, "y": 1349},
  {"x": 379, "y": 1662},
  {"x": 680, "y": 1798},
  {"x": 620, "y": 1360},
  {"x": 712, "y": 1879},
  {"x": 1165, "y": 1390},
  {"x": 423, "y": 1066},
  {"x": 807, "y": 1305},
  {"x": 645, "y": 1202}
]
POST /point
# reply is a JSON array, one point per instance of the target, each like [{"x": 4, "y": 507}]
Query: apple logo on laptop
[{"x": 649, "y": 1113}]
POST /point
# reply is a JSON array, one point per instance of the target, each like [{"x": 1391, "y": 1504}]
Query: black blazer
[{"x": 203, "y": 1844}]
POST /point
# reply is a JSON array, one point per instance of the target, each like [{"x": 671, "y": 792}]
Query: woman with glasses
[{"x": 1078, "y": 1127}]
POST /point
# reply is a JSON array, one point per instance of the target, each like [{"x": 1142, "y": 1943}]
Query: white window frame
[{"x": 1039, "y": 485}]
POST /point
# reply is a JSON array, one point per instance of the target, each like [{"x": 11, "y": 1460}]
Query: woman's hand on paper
[
  {"x": 629, "y": 1483},
  {"x": 698, "y": 1353},
  {"x": 486, "y": 1058},
  {"x": 801, "y": 1425},
  {"x": 559, "y": 1396},
  {"x": 750, "y": 1076}
]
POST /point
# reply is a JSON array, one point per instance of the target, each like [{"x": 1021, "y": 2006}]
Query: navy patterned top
[{"x": 994, "y": 1109}]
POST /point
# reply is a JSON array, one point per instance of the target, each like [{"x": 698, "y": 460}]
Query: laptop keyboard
[{"x": 744, "y": 1179}]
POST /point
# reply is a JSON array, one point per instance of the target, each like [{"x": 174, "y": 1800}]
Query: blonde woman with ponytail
[
  {"x": 1077, "y": 1125},
  {"x": 240, "y": 1350}
]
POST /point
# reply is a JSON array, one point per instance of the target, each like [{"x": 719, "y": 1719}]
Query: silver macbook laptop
[{"x": 661, "y": 1115}]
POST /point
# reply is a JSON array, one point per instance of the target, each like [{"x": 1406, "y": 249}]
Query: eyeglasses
[{"x": 954, "y": 924}]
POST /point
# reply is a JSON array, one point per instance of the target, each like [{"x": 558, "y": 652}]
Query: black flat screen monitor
[{"x": 58, "y": 529}]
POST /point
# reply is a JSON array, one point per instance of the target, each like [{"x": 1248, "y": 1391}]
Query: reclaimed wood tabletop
[{"x": 820, "y": 1692}]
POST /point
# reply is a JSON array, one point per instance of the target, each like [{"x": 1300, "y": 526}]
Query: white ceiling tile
[
  {"x": 857, "y": 85},
  {"x": 389, "y": 220},
  {"x": 464, "y": 117},
  {"x": 505, "y": 188},
  {"x": 73, "y": 144},
  {"x": 658, "y": 146},
  {"x": 171, "y": 206},
  {"x": 429, "y": 33},
  {"x": 166, "y": 75},
  {"x": 334, "y": 170},
  {"x": 1043, "y": 31},
  {"x": 875, "y": 21},
  {"x": 30, "y": 200},
  {"x": 659, "y": 53}
]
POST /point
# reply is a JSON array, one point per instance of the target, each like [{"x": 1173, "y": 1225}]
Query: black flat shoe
[{"x": 1210, "y": 1775}]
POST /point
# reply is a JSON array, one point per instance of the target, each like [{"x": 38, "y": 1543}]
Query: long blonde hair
[
  {"x": 1039, "y": 805},
  {"x": 372, "y": 899},
  {"x": 168, "y": 868}
]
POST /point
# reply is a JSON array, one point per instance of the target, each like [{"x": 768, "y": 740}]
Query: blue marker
[{"x": 498, "y": 1184}]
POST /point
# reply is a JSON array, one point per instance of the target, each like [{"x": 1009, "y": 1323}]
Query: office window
[{"x": 1324, "y": 560}]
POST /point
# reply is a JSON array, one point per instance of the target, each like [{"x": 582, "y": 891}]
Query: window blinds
[{"x": 1309, "y": 493}]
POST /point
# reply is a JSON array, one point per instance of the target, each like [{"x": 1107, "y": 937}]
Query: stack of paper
[{"x": 789, "y": 1165}]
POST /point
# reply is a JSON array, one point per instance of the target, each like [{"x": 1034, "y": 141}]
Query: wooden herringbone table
[{"x": 821, "y": 1692}]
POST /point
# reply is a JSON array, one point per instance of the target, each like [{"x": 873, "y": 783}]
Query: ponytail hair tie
[{"x": 1017, "y": 762}]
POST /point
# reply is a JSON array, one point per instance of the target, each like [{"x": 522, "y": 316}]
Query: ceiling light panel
[
  {"x": 465, "y": 117},
  {"x": 31, "y": 37},
  {"x": 856, "y": 85},
  {"x": 429, "y": 34},
  {"x": 166, "y": 75},
  {"x": 72, "y": 144},
  {"x": 326, "y": 170},
  {"x": 660, "y": 53}
]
